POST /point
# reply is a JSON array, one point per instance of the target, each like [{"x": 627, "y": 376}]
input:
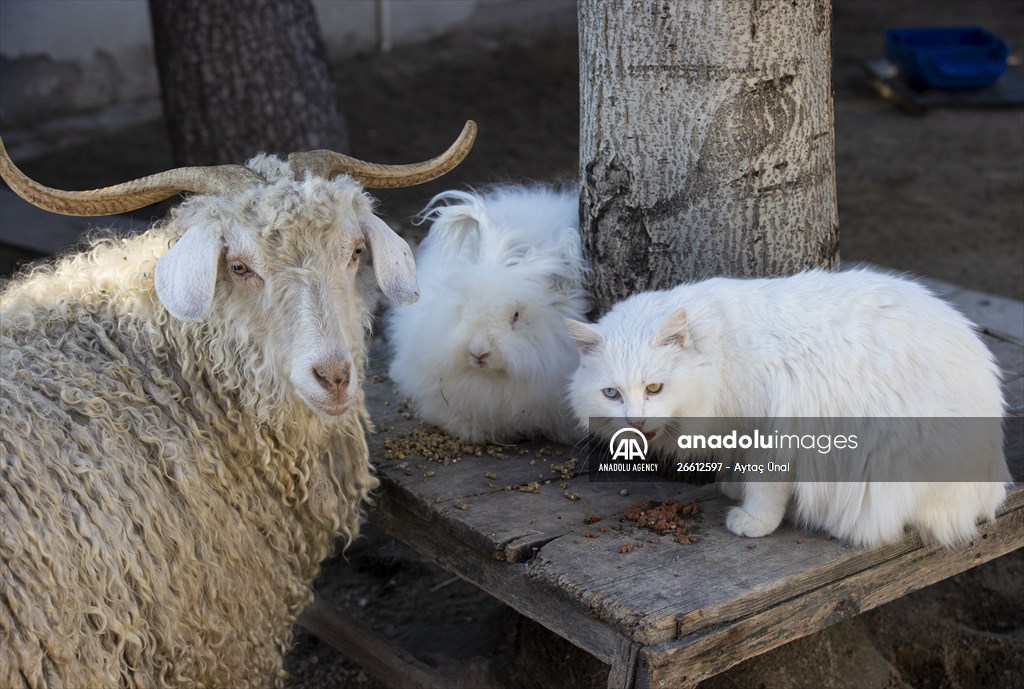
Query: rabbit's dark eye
[{"x": 515, "y": 318}]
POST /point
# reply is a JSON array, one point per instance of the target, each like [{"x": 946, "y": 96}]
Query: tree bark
[
  {"x": 242, "y": 77},
  {"x": 706, "y": 140}
]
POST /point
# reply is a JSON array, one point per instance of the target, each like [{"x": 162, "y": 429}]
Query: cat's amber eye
[
  {"x": 654, "y": 388},
  {"x": 611, "y": 393},
  {"x": 238, "y": 268}
]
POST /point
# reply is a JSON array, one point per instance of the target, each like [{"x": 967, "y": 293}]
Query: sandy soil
[{"x": 939, "y": 194}]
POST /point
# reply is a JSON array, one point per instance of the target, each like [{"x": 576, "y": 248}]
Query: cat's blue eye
[{"x": 611, "y": 393}]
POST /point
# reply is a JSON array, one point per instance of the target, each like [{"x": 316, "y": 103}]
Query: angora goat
[
  {"x": 483, "y": 354},
  {"x": 184, "y": 429}
]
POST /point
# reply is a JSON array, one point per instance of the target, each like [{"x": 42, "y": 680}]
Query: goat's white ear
[
  {"x": 676, "y": 330},
  {"x": 187, "y": 274},
  {"x": 393, "y": 263},
  {"x": 587, "y": 337}
]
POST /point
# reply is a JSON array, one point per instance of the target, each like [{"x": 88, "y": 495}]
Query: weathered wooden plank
[
  {"x": 478, "y": 499},
  {"x": 387, "y": 662},
  {"x": 623, "y": 670},
  {"x": 1009, "y": 355},
  {"x": 463, "y": 474},
  {"x": 501, "y": 524},
  {"x": 1013, "y": 390},
  {"x": 998, "y": 315},
  {"x": 437, "y": 484},
  {"x": 661, "y": 592},
  {"x": 437, "y": 487},
  {"x": 645, "y": 591},
  {"x": 692, "y": 658},
  {"x": 504, "y": 581},
  {"x": 854, "y": 561},
  {"x": 542, "y": 517},
  {"x": 1014, "y": 445}
]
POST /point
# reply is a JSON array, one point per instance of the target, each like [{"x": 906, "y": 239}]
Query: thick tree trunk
[
  {"x": 706, "y": 140},
  {"x": 244, "y": 76}
]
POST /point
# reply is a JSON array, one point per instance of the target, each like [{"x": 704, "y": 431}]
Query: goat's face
[
  {"x": 280, "y": 266},
  {"x": 268, "y": 255}
]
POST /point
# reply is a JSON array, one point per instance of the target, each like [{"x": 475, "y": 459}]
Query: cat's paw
[
  {"x": 741, "y": 523},
  {"x": 731, "y": 489}
]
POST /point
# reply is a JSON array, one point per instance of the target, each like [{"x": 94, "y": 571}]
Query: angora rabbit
[{"x": 484, "y": 354}]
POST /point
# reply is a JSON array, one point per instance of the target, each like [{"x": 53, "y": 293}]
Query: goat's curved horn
[
  {"x": 127, "y": 196},
  {"x": 329, "y": 164}
]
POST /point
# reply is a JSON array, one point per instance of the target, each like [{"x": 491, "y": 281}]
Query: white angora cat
[{"x": 858, "y": 345}]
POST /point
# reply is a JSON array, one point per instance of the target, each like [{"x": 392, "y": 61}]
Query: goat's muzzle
[{"x": 334, "y": 376}]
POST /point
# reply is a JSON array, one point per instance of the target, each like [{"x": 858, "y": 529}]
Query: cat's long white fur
[
  {"x": 853, "y": 344},
  {"x": 487, "y": 257}
]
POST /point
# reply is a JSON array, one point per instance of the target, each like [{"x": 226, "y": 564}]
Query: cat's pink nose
[{"x": 636, "y": 423}]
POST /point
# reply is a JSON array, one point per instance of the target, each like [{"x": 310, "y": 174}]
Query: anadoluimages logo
[{"x": 628, "y": 444}]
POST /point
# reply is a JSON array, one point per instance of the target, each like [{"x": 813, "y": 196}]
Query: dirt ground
[{"x": 939, "y": 194}]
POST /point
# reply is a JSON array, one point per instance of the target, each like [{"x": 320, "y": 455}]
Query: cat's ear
[
  {"x": 676, "y": 330},
  {"x": 587, "y": 338}
]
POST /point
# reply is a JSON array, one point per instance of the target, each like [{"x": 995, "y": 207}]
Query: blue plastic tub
[{"x": 962, "y": 57}]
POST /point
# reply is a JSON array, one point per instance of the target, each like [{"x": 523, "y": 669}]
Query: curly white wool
[
  {"x": 483, "y": 353},
  {"x": 168, "y": 488}
]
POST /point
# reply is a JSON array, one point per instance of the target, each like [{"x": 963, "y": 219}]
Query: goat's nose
[
  {"x": 332, "y": 376},
  {"x": 636, "y": 423}
]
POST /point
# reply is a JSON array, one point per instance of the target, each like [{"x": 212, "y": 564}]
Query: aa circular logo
[{"x": 628, "y": 444}]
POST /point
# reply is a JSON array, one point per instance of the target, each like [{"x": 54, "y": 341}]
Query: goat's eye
[
  {"x": 654, "y": 388},
  {"x": 358, "y": 251},
  {"x": 238, "y": 268},
  {"x": 611, "y": 393}
]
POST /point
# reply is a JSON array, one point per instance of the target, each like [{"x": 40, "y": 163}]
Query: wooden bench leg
[
  {"x": 385, "y": 661},
  {"x": 623, "y": 671}
]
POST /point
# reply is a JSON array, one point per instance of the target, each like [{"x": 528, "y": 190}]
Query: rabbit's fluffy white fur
[
  {"x": 855, "y": 344},
  {"x": 484, "y": 353}
]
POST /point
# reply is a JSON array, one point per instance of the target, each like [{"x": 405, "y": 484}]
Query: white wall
[
  {"x": 66, "y": 56},
  {"x": 71, "y": 29}
]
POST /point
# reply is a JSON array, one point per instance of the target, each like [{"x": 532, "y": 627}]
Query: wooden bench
[{"x": 519, "y": 523}]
